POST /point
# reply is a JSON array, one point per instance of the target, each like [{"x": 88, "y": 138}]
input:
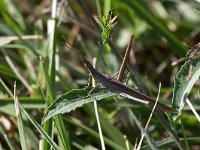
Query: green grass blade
[
  {"x": 20, "y": 121},
  {"x": 58, "y": 119},
  {"x": 6, "y": 88},
  {"x": 12, "y": 14},
  {"x": 67, "y": 82},
  {"x": 141, "y": 11},
  {"x": 169, "y": 127},
  {"x": 7, "y": 104},
  {"x": 148, "y": 138},
  {"x": 7, "y": 71},
  {"x": 169, "y": 142},
  {"x": 35, "y": 124},
  {"x": 32, "y": 138},
  {"x": 184, "y": 81},
  {"x": 89, "y": 15},
  {"x": 8, "y": 140},
  {"x": 109, "y": 129},
  {"x": 49, "y": 88},
  {"x": 9, "y": 31},
  {"x": 95, "y": 134},
  {"x": 64, "y": 135},
  {"x": 40, "y": 130},
  {"x": 48, "y": 126}
]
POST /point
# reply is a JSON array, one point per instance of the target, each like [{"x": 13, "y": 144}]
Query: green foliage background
[{"x": 29, "y": 30}]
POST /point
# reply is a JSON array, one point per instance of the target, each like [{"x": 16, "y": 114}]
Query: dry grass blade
[
  {"x": 147, "y": 124},
  {"x": 14, "y": 68},
  {"x": 96, "y": 112},
  {"x": 125, "y": 59}
]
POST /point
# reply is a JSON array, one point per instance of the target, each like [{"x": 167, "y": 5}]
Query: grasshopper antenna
[
  {"x": 69, "y": 46},
  {"x": 83, "y": 59}
]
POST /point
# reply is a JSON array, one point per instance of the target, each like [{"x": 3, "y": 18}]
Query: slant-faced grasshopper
[{"x": 118, "y": 87}]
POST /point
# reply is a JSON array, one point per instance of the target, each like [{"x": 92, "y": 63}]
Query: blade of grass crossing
[
  {"x": 39, "y": 128},
  {"x": 52, "y": 72},
  {"x": 49, "y": 80},
  {"x": 19, "y": 121},
  {"x": 95, "y": 134},
  {"x": 52, "y": 44},
  {"x": 169, "y": 142},
  {"x": 1, "y": 146},
  {"x": 8, "y": 140},
  {"x": 24, "y": 43},
  {"x": 13, "y": 14},
  {"x": 135, "y": 5},
  {"x": 6, "y": 88},
  {"x": 58, "y": 119},
  {"x": 147, "y": 124},
  {"x": 168, "y": 127},
  {"x": 185, "y": 137},
  {"x": 96, "y": 112},
  {"x": 109, "y": 129},
  {"x": 48, "y": 126},
  {"x": 64, "y": 135},
  {"x": 35, "y": 124},
  {"x": 148, "y": 138}
]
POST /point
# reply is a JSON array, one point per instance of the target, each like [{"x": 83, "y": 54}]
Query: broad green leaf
[
  {"x": 184, "y": 81},
  {"x": 74, "y": 99}
]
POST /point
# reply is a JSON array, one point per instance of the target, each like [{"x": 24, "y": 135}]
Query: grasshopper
[{"x": 119, "y": 87}]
